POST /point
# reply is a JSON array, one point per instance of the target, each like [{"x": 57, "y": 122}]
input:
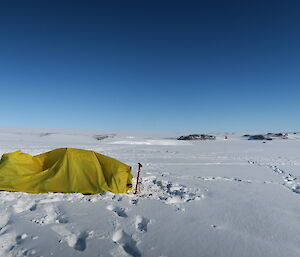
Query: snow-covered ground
[{"x": 201, "y": 198}]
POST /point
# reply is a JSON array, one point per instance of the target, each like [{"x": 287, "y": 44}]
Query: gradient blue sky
[{"x": 189, "y": 66}]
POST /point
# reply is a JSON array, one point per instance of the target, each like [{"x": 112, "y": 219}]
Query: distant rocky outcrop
[
  {"x": 278, "y": 135},
  {"x": 101, "y": 137},
  {"x": 197, "y": 137},
  {"x": 258, "y": 137},
  {"x": 268, "y": 136},
  {"x": 45, "y": 134}
]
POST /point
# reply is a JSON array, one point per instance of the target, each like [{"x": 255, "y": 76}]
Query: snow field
[{"x": 217, "y": 198}]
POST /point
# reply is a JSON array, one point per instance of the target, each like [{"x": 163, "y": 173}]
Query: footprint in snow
[
  {"x": 7, "y": 238},
  {"x": 53, "y": 214},
  {"x": 133, "y": 201},
  {"x": 21, "y": 238},
  {"x": 141, "y": 223},
  {"x": 7, "y": 243},
  {"x": 4, "y": 221},
  {"x": 74, "y": 240},
  {"x": 126, "y": 242},
  {"x": 117, "y": 210},
  {"x": 117, "y": 198},
  {"x": 80, "y": 244},
  {"x": 22, "y": 206}
]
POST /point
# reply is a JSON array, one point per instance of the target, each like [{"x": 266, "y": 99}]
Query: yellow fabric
[{"x": 65, "y": 170}]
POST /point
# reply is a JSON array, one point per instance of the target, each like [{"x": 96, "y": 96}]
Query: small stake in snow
[{"x": 138, "y": 177}]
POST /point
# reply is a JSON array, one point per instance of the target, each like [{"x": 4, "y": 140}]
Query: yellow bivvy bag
[{"x": 64, "y": 170}]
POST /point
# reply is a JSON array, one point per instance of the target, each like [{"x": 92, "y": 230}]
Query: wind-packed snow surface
[{"x": 197, "y": 198}]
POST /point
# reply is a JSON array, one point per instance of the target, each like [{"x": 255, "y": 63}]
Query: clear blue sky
[{"x": 189, "y": 66}]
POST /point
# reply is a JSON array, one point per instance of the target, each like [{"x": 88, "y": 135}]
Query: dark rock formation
[
  {"x": 101, "y": 137},
  {"x": 278, "y": 135},
  {"x": 257, "y": 137},
  {"x": 197, "y": 137}
]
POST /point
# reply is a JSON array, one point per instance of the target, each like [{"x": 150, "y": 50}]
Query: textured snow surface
[{"x": 211, "y": 198}]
